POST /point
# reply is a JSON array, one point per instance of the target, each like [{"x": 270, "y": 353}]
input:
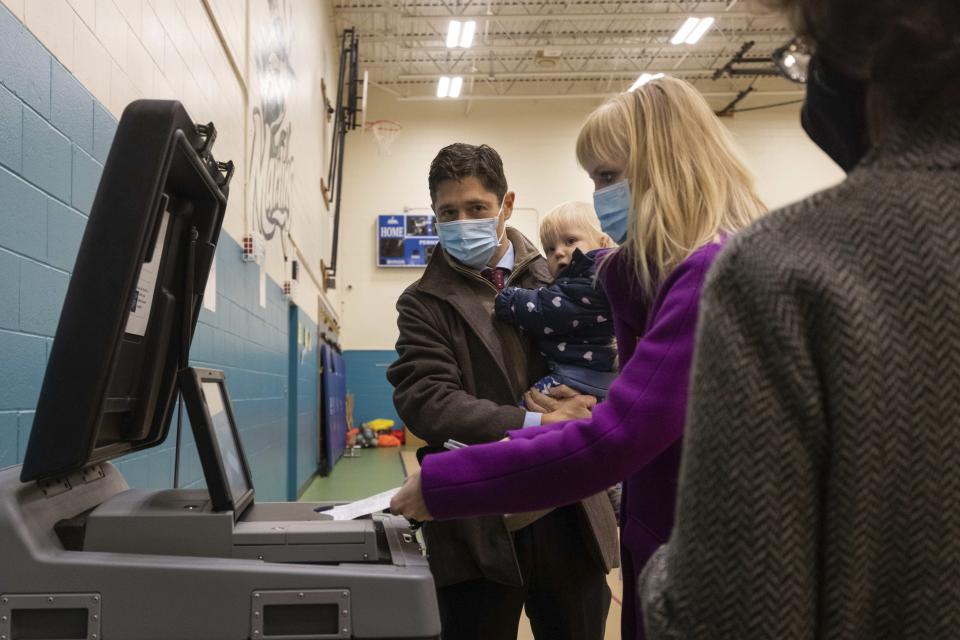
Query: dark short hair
[
  {"x": 906, "y": 51},
  {"x": 458, "y": 161}
]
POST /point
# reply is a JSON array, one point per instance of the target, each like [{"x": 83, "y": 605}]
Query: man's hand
[
  {"x": 409, "y": 500},
  {"x": 561, "y": 405}
]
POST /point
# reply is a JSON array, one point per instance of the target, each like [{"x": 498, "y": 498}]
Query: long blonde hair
[{"x": 686, "y": 181}]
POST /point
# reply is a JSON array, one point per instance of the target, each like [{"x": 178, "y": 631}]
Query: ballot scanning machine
[{"x": 82, "y": 555}]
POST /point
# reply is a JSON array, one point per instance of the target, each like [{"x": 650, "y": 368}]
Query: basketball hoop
[{"x": 385, "y": 132}]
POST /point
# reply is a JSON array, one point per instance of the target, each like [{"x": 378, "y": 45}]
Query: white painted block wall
[
  {"x": 537, "y": 143},
  {"x": 197, "y": 51}
]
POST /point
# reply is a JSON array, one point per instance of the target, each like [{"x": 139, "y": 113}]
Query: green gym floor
[{"x": 377, "y": 470}]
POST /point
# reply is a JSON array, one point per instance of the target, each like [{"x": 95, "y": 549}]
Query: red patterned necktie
[{"x": 497, "y": 276}]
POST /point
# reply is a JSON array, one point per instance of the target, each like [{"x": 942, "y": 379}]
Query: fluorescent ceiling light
[
  {"x": 692, "y": 30},
  {"x": 644, "y": 79},
  {"x": 466, "y": 36},
  {"x": 449, "y": 87},
  {"x": 682, "y": 34},
  {"x": 453, "y": 34},
  {"x": 700, "y": 30},
  {"x": 443, "y": 87}
]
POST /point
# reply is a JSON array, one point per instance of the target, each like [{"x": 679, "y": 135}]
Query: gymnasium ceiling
[{"x": 555, "y": 49}]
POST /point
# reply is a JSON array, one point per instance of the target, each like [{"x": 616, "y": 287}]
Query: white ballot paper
[{"x": 366, "y": 506}]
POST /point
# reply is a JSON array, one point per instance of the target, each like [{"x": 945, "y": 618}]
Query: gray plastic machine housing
[
  {"x": 151, "y": 568},
  {"x": 84, "y": 556}
]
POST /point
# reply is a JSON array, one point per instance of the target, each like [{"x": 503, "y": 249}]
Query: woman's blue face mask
[
  {"x": 613, "y": 208},
  {"x": 471, "y": 242}
]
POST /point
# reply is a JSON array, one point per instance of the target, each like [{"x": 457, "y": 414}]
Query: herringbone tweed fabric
[{"x": 820, "y": 489}]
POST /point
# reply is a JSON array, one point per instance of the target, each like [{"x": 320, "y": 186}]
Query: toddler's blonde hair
[{"x": 577, "y": 215}]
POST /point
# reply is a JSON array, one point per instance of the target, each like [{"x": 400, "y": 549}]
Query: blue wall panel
[
  {"x": 307, "y": 402},
  {"x": 367, "y": 381},
  {"x": 302, "y": 404},
  {"x": 334, "y": 403},
  {"x": 54, "y": 139}
]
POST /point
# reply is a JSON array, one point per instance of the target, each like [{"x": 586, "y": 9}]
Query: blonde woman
[{"x": 670, "y": 190}]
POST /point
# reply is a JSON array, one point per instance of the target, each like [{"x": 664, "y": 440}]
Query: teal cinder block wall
[
  {"x": 249, "y": 344},
  {"x": 54, "y": 139}
]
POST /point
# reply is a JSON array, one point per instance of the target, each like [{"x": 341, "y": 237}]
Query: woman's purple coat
[{"x": 636, "y": 434}]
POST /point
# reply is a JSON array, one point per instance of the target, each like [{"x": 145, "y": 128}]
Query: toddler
[{"x": 570, "y": 320}]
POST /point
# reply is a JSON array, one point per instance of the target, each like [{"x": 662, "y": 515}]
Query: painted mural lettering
[{"x": 271, "y": 163}]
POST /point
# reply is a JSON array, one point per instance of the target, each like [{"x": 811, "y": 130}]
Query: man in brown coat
[{"x": 459, "y": 376}]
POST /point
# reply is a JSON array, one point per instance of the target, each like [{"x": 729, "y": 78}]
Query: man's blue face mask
[
  {"x": 471, "y": 242},
  {"x": 613, "y": 208}
]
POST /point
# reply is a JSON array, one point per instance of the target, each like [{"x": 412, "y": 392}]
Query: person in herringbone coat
[{"x": 820, "y": 488}]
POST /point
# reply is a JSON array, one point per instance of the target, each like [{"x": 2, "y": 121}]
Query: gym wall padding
[
  {"x": 334, "y": 405},
  {"x": 303, "y": 403}
]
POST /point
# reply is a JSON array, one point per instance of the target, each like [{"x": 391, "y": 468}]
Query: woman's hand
[
  {"x": 579, "y": 408},
  {"x": 561, "y": 405},
  {"x": 542, "y": 403},
  {"x": 409, "y": 500}
]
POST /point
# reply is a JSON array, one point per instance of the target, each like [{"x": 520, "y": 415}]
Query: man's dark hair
[
  {"x": 459, "y": 161},
  {"x": 906, "y": 51}
]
